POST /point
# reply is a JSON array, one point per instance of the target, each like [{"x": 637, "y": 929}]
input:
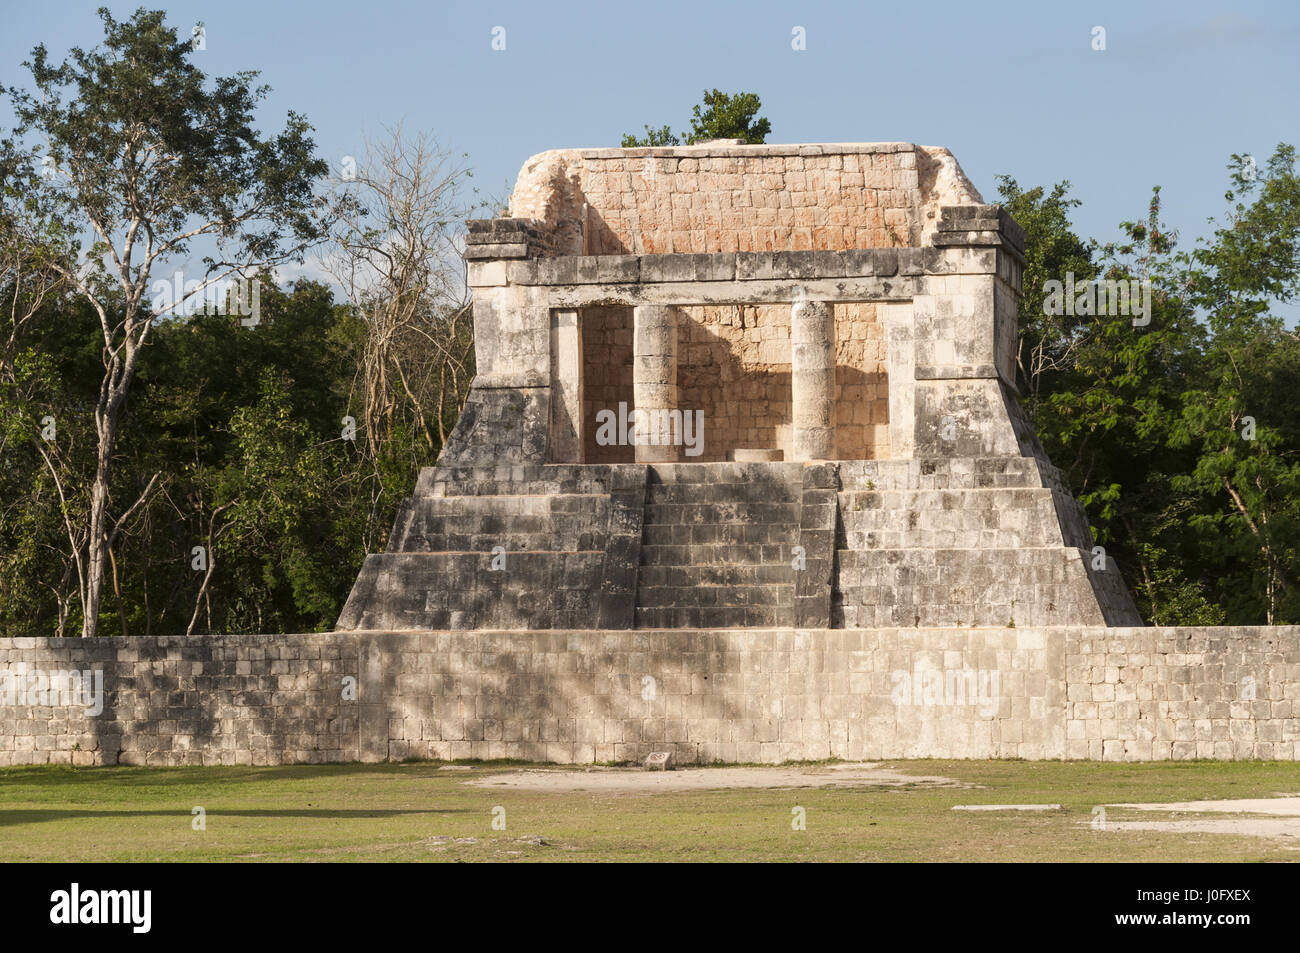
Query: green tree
[
  {"x": 145, "y": 157},
  {"x": 1239, "y": 410},
  {"x": 723, "y": 116},
  {"x": 1047, "y": 342},
  {"x": 663, "y": 136},
  {"x": 1177, "y": 434}
]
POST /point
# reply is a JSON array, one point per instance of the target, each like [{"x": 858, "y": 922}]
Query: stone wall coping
[{"x": 762, "y": 149}]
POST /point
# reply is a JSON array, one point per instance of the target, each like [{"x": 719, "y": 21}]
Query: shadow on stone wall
[
  {"x": 1121, "y": 694},
  {"x": 746, "y": 402},
  {"x": 597, "y": 712}
]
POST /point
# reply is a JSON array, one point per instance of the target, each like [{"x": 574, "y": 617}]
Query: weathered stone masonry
[
  {"x": 898, "y": 371},
  {"x": 731, "y": 695},
  {"x": 871, "y": 557}
]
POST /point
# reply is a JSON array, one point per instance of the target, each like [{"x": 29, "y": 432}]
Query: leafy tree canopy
[{"x": 723, "y": 116}]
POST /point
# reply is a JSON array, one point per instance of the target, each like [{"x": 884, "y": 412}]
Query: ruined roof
[{"x": 725, "y": 197}]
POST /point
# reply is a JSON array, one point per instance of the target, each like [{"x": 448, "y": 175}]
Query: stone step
[
  {"x": 717, "y": 554},
  {"x": 506, "y": 479},
  {"x": 694, "y": 514},
  {"x": 1009, "y": 558},
  {"x": 1006, "y": 587},
  {"x": 688, "y": 493},
  {"x": 563, "y": 609},
  {"x": 509, "y": 504},
  {"x": 952, "y": 519},
  {"x": 683, "y": 534},
  {"x": 725, "y": 473},
  {"x": 478, "y": 524},
  {"x": 549, "y": 541},
  {"x": 414, "y": 519},
  {"x": 461, "y": 590},
  {"x": 454, "y": 571},
  {"x": 716, "y": 545},
  {"x": 945, "y": 473},
  {"x": 670, "y": 596},
  {"x": 714, "y": 617},
  {"x": 686, "y": 576}
]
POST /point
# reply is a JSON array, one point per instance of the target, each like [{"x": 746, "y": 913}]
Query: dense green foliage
[
  {"x": 143, "y": 160},
  {"x": 1181, "y": 437},
  {"x": 245, "y": 424},
  {"x": 171, "y": 469}
]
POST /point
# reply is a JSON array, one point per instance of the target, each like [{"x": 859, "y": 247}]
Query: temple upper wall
[{"x": 722, "y": 197}]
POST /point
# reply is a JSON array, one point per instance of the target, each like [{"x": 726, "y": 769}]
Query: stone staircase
[
  {"x": 489, "y": 548},
  {"x": 981, "y": 541},
  {"x": 717, "y": 546}
]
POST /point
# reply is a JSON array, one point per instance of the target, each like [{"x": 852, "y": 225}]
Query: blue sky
[{"x": 1010, "y": 88}]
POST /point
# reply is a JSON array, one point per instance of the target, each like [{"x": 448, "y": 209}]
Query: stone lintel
[
  {"x": 747, "y": 266},
  {"x": 687, "y": 293}
]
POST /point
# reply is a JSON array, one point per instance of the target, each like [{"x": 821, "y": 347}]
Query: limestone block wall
[
  {"x": 508, "y": 547},
  {"x": 986, "y": 541},
  {"x": 727, "y": 198},
  {"x": 729, "y": 695},
  {"x": 229, "y": 699},
  {"x": 732, "y": 695},
  {"x": 931, "y": 318},
  {"x": 861, "y": 383},
  {"x": 993, "y": 541},
  {"x": 1145, "y": 694},
  {"x": 735, "y": 367},
  {"x": 733, "y": 363}
]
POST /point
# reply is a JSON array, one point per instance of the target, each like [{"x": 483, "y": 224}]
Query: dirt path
[{"x": 1274, "y": 817}]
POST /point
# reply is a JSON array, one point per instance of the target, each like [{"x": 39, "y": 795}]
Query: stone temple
[
  {"x": 735, "y": 386},
  {"x": 742, "y": 478}
]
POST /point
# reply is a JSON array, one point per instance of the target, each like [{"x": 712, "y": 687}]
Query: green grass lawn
[{"x": 416, "y": 811}]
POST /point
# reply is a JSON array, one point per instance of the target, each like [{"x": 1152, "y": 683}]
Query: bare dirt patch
[
  {"x": 598, "y": 780},
  {"x": 1283, "y": 806},
  {"x": 1274, "y": 817}
]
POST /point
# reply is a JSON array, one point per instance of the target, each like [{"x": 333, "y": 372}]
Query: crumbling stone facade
[{"x": 827, "y": 333}]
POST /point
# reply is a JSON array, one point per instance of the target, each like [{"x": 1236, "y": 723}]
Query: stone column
[
  {"x": 812, "y": 380},
  {"x": 654, "y": 376},
  {"x": 566, "y": 443}
]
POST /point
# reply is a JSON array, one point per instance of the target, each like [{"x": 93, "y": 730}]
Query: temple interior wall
[{"x": 734, "y": 365}]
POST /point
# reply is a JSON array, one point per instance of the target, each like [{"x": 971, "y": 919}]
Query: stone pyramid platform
[
  {"x": 982, "y": 542},
  {"x": 845, "y": 313}
]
